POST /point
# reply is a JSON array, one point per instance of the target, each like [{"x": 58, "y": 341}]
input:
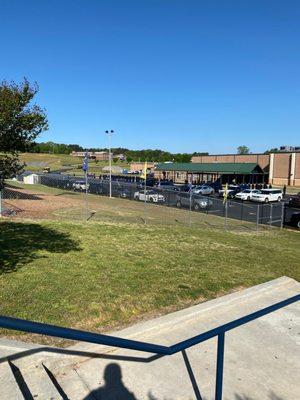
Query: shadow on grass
[{"x": 20, "y": 242}]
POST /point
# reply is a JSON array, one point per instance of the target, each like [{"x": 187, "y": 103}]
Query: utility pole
[{"x": 109, "y": 134}]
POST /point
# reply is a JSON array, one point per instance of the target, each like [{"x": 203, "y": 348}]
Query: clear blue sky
[{"x": 188, "y": 75}]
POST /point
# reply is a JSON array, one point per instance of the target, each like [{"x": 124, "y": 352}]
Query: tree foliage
[
  {"x": 131, "y": 155},
  {"x": 273, "y": 150},
  {"x": 243, "y": 150},
  {"x": 20, "y": 124}
]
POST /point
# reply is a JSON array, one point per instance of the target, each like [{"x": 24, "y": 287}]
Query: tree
[
  {"x": 273, "y": 150},
  {"x": 243, "y": 150},
  {"x": 20, "y": 124}
]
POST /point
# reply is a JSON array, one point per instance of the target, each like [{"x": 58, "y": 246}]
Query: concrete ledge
[{"x": 168, "y": 321}]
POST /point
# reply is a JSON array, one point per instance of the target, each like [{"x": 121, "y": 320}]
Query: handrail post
[{"x": 220, "y": 366}]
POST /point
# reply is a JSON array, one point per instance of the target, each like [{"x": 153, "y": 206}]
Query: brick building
[
  {"x": 284, "y": 169},
  {"x": 139, "y": 166},
  {"x": 276, "y": 168},
  {"x": 96, "y": 155},
  {"x": 280, "y": 168}
]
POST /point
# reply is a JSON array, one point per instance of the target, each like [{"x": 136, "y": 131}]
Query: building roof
[{"x": 221, "y": 168}]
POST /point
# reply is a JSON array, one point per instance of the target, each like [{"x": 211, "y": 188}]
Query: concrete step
[
  {"x": 261, "y": 358},
  {"x": 39, "y": 383},
  {"x": 72, "y": 385},
  {"x": 9, "y": 389}
]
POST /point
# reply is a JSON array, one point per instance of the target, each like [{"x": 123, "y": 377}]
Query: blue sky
[{"x": 184, "y": 76}]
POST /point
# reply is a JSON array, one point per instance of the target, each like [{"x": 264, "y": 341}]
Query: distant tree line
[
  {"x": 55, "y": 148},
  {"x": 131, "y": 155}
]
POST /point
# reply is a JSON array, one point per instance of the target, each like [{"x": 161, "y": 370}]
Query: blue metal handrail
[{"x": 97, "y": 338}]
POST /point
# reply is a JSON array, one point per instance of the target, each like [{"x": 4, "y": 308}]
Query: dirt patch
[{"x": 39, "y": 205}]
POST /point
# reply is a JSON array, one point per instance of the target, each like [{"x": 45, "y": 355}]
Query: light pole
[{"x": 109, "y": 134}]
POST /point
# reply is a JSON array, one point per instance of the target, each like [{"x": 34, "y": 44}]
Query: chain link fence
[
  {"x": 152, "y": 204},
  {"x": 8, "y": 195}
]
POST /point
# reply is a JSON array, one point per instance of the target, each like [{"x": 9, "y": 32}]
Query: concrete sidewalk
[{"x": 262, "y": 358}]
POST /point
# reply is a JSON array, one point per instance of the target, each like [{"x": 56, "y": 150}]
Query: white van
[{"x": 266, "y": 195}]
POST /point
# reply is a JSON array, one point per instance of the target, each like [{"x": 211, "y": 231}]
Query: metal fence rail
[{"x": 78, "y": 335}]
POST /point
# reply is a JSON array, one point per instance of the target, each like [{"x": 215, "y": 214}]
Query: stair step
[
  {"x": 9, "y": 389},
  {"x": 39, "y": 383},
  {"x": 72, "y": 386}
]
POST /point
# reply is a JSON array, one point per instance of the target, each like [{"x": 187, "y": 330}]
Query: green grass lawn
[
  {"x": 37, "y": 161},
  {"x": 100, "y": 275}
]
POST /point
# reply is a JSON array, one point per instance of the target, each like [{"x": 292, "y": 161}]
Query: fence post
[
  {"x": 145, "y": 203},
  {"x": 1, "y": 204},
  {"x": 257, "y": 217},
  {"x": 86, "y": 197},
  {"x": 220, "y": 367},
  {"x": 282, "y": 215},
  {"x": 190, "y": 212},
  {"x": 226, "y": 213},
  {"x": 271, "y": 215}
]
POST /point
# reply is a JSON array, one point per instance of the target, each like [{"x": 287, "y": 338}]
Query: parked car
[
  {"x": 267, "y": 195},
  {"x": 63, "y": 182},
  {"x": 204, "y": 190},
  {"x": 295, "y": 201},
  {"x": 246, "y": 194},
  {"x": 150, "y": 196},
  {"x": 196, "y": 203},
  {"x": 80, "y": 186},
  {"x": 184, "y": 188},
  {"x": 123, "y": 193},
  {"x": 231, "y": 192},
  {"x": 295, "y": 219},
  {"x": 170, "y": 188},
  {"x": 95, "y": 188},
  {"x": 164, "y": 183}
]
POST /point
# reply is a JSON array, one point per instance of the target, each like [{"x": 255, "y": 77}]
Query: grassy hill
[
  {"x": 37, "y": 161},
  {"x": 114, "y": 269}
]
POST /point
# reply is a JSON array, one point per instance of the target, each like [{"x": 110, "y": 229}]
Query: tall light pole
[{"x": 109, "y": 134}]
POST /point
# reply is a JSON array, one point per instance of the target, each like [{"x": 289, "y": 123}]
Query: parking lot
[{"x": 272, "y": 214}]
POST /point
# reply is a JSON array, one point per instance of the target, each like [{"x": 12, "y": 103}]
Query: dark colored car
[
  {"x": 295, "y": 219},
  {"x": 164, "y": 184},
  {"x": 295, "y": 201},
  {"x": 231, "y": 192},
  {"x": 169, "y": 188},
  {"x": 64, "y": 184},
  {"x": 124, "y": 193},
  {"x": 95, "y": 188},
  {"x": 196, "y": 203}
]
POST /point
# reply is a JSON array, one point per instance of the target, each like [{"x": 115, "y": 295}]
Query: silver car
[{"x": 204, "y": 190}]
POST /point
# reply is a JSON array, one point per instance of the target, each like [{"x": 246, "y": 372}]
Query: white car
[
  {"x": 204, "y": 190},
  {"x": 80, "y": 185},
  {"x": 246, "y": 194},
  {"x": 149, "y": 195},
  {"x": 267, "y": 195}
]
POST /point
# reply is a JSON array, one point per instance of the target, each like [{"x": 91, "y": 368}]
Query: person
[
  {"x": 284, "y": 190},
  {"x": 114, "y": 388}
]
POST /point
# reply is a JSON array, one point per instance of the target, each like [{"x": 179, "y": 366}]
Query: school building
[{"x": 275, "y": 168}]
